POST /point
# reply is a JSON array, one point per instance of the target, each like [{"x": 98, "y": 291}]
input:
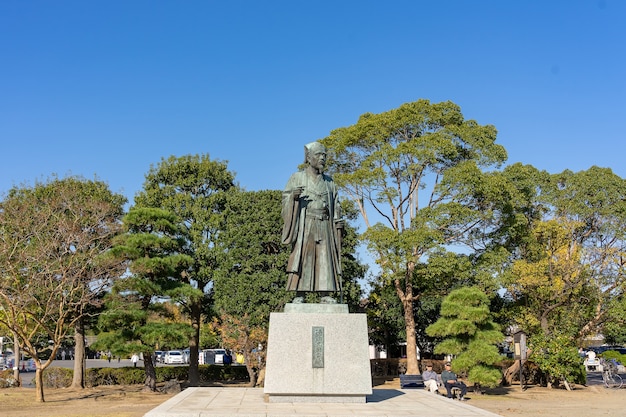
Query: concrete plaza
[{"x": 251, "y": 402}]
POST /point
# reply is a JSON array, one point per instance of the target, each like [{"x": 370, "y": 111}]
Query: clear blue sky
[{"x": 106, "y": 88}]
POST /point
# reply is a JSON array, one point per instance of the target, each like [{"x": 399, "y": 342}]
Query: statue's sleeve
[
  {"x": 290, "y": 212},
  {"x": 337, "y": 215}
]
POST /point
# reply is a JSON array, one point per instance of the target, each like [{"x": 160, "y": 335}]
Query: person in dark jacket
[{"x": 450, "y": 381}]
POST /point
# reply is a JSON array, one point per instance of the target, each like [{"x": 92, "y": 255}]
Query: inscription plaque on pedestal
[
  {"x": 318, "y": 347},
  {"x": 317, "y": 353}
]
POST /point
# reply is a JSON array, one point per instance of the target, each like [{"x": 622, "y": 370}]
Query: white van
[{"x": 212, "y": 356}]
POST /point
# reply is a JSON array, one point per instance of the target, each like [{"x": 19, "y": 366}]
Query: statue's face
[{"x": 317, "y": 159}]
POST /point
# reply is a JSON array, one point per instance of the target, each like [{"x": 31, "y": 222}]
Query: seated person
[
  {"x": 430, "y": 379},
  {"x": 450, "y": 381}
]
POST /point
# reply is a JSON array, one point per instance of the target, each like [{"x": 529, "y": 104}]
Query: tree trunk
[
  {"x": 412, "y": 367},
  {"x": 567, "y": 385},
  {"x": 194, "y": 343},
  {"x": 150, "y": 381},
  {"x": 406, "y": 297},
  {"x": 252, "y": 373},
  {"x": 510, "y": 373},
  {"x": 39, "y": 383},
  {"x": 17, "y": 354},
  {"x": 78, "y": 381}
]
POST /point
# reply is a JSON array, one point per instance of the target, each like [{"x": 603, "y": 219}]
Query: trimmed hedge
[
  {"x": 114, "y": 376},
  {"x": 55, "y": 377}
]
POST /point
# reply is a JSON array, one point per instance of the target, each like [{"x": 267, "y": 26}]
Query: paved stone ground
[{"x": 251, "y": 402}]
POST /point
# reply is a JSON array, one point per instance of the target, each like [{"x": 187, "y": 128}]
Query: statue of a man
[{"x": 313, "y": 228}]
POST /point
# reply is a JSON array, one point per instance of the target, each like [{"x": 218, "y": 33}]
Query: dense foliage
[
  {"x": 136, "y": 319},
  {"x": 558, "y": 360},
  {"x": 54, "y": 238},
  {"x": 415, "y": 173},
  {"x": 547, "y": 251},
  {"x": 193, "y": 187},
  {"x": 470, "y": 336},
  {"x": 565, "y": 275},
  {"x": 55, "y": 377}
]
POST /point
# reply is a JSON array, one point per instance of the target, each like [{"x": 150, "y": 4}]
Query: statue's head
[{"x": 313, "y": 147}]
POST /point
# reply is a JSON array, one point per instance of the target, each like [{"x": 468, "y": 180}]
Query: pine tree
[
  {"x": 470, "y": 335},
  {"x": 137, "y": 319}
]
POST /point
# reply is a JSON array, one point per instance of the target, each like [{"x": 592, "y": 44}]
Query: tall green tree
[
  {"x": 569, "y": 252},
  {"x": 194, "y": 188},
  {"x": 470, "y": 335},
  {"x": 384, "y": 318},
  {"x": 353, "y": 269},
  {"x": 562, "y": 236},
  {"x": 54, "y": 237},
  {"x": 136, "y": 317},
  {"x": 417, "y": 176},
  {"x": 594, "y": 201},
  {"x": 443, "y": 272},
  {"x": 552, "y": 289},
  {"x": 250, "y": 281}
]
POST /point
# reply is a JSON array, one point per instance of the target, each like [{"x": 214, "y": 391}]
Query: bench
[
  {"x": 411, "y": 381},
  {"x": 456, "y": 392}
]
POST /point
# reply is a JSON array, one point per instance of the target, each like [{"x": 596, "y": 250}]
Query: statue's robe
[{"x": 314, "y": 264}]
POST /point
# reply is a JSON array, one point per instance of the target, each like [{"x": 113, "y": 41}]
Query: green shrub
[
  {"x": 558, "y": 359},
  {"x": 209, "y": 373},
  {"x": 613, "y": 354},
  {"x": 129, "y": 375},
  {"x": 134, "y": 376},
  {"x": 166, "y": 373},
  {"x": 62, "y": 377},
  {"x": 7, "y": 380},
  {"x": 54, "y": 377},
  {"x": 102, "y": 376},
  {"x": 114, "y": 376}
]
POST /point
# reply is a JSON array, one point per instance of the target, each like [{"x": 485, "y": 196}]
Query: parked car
[
  {"x": 25, "y": 365},
  {"x": 173, "y": 356},
  {"x": 600, "y": 349},
  {"x": 212, "y": 356},
  {"x": 158, "y": 356},
  {"x": 186, "y": 354}
]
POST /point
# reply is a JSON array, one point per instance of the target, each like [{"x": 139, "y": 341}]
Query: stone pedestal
[{"x": 317, "y": 353}]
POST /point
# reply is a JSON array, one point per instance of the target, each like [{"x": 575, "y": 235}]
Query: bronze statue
[{"x": 313, "y": 228}]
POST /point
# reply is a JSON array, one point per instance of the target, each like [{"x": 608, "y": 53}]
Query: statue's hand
[{"x": 296, "y": 192}]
